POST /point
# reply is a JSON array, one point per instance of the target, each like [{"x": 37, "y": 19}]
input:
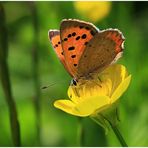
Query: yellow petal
[
  {"x": 120, "y": 89},
  {"x": 68, "y": 107},
  {"x": 91, "y": 104},
  {"x": 117, "y": 73},
  {"x": 83, "y": 109},
  {"x": 64, "y": 104}
]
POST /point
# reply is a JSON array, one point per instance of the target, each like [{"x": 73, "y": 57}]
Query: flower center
[{"x": 94, "y": 87}]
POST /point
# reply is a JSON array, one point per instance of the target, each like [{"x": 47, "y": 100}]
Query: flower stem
[
  {"x": 80, "y": 132},
  {"x": 116, "y": 131},
  {"x": 118, "y": 135}
]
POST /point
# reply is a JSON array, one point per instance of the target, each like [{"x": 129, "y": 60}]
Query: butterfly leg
[
  {"x": 99, "y": 79},
  {"x": 93, "y": 76},
  {"x": 76, "y": 92},
  {"x": 98, "y": 84}
]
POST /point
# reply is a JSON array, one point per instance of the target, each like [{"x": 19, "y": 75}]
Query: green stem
[
  {"x": 118, "y": 135},
  {"x": 35, "y": 67},
  {"x": 5, "y": 79},
  {"x": 80, "y": 132},
  {"x": 115, "y": 129}
]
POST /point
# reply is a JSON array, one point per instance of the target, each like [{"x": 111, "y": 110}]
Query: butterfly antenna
[{"x": 45, "y": 87}]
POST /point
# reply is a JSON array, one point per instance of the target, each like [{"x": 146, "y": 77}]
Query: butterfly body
[{"x": 84, "y": 50}]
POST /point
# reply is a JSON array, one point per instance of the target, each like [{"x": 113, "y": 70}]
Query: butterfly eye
[{"x": 74, "y": 82}]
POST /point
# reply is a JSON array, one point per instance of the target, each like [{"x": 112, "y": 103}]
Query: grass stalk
[
  {"x": 35, "y": 67},
  {"x": 5, "y": 80}
]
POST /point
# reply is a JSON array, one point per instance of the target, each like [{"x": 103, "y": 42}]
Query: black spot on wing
[
  {"x": 73, "y": 34},
  {"x": 92, "y": 32},
  {"x": 85, "y": 43},
  {"x": 73, "y": 56},
  {"x": 71, "y": 48},
  {"x": 78, "y": 37},
  {"x": 83, "y": 36},
  {"x": 87, "y": 28},
  {"x": 69, "y": 35},
  {"x": 65, "y": 39}
]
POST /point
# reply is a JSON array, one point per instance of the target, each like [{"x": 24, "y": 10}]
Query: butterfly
[{"x": 83, "y": 49}]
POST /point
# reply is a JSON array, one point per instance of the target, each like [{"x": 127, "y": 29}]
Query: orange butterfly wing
[
  {"x": 54, "y": 37},
  {"x": 75, "y": 35}
]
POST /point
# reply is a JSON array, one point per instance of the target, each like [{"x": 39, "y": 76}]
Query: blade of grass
[
  {"x": 5, "y": 79},
  {"x": 35, "y": 67}
]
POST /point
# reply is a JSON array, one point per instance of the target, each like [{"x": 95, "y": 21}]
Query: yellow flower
[
  {"x": 94, "y": 11},
  {"x": 93, "y": 96}
]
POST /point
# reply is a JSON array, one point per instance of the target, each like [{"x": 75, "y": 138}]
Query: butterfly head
[
  {"x": 81, "y": 81},
  {"x": 73, "y": 82}
]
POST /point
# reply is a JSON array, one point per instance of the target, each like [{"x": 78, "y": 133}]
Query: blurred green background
[{"x": 28, "y": 24}]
